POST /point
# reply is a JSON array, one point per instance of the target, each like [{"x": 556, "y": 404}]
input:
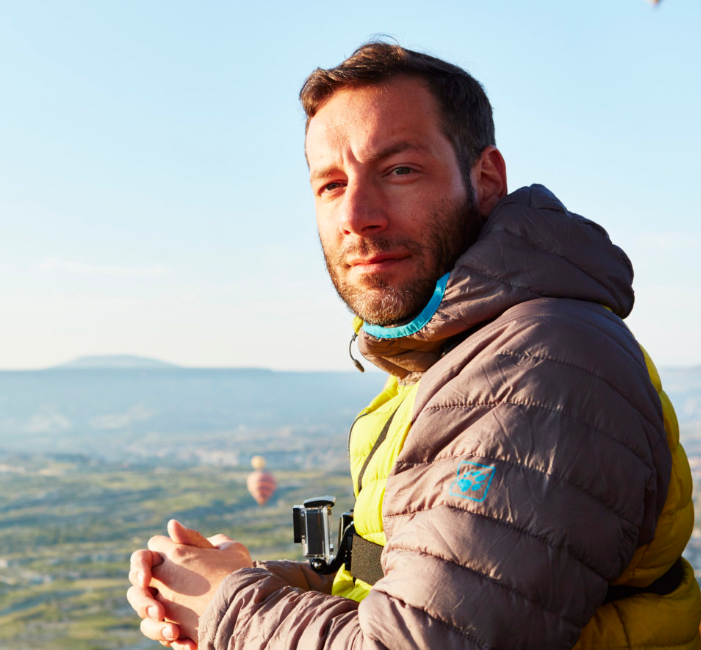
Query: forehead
[{"x": 361, "y": 120}]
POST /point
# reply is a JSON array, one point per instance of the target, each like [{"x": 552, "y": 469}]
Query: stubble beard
[{"x": 450, "y": 231}]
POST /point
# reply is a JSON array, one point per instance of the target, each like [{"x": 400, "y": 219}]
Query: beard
[{"x": 450, "y": 230}]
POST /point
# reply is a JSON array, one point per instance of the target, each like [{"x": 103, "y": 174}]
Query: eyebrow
[{"x": 398, "y": 147}]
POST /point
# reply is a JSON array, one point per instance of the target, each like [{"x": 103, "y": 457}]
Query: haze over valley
[{"x": 97, "y": 455}]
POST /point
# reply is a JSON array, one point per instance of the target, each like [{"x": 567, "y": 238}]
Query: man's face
[{"x": 391, "y": 205}]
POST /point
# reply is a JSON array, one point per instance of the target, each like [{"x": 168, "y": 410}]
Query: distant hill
[
  {"x": 678, "y": 379},
  {"x": 161, "y": 414},
  {"x": 115, "y": 361},
  {"x": 683, "y": 385}
]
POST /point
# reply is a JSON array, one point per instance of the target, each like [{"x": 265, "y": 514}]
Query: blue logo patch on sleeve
[{"x": 473, "y": 481}]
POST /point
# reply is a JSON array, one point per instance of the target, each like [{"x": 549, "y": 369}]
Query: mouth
[{"x": 376, "y": 263}]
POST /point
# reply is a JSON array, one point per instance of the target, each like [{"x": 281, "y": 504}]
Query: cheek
[
  {"x": 323, "y": 220},
  {"x": 328, "y": 234},
  {"x": 327, "y": 246}
]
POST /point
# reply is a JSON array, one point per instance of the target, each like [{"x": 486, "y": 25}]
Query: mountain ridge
[{"x": 113, "y": 361}]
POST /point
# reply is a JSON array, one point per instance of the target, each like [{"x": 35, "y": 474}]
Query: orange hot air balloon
[{"x": 261, "y": 484}]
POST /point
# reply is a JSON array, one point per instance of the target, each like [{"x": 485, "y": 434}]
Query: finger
[
  {"x": 159, "y": 631},
  {"x": 140, "y": 566},
  {"x": 184, "y": 644},
  {"x": 237, "y": 553},
  {"x": 161, "y": 544},
  {"x": 183, "y": 535},
  {"x": 144, "y": 603},
  {"x": 218, "y": 540}
]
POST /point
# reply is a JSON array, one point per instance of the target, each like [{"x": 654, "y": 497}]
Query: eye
[
  {"x": 330, "y": 187},
  {"x": 402, "y": 171}
]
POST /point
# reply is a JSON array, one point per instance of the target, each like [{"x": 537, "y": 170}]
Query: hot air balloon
[{"x": 261, "y": 484}]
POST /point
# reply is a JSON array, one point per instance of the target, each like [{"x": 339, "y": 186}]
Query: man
[{"x": 523, "y": 458}]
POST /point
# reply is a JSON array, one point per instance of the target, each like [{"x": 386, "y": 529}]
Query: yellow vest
[
  {"x": 396, "y": 402},
  {"x": 644, "y": 621}
]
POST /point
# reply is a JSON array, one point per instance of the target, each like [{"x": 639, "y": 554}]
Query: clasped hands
[{"x": 176, "y": 577}]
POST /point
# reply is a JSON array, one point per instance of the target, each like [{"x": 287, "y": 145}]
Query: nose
[{"x": 362, "y": 209}]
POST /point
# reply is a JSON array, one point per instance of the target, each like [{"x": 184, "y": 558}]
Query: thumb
[
  {"x": 218, "y": 540},
  {"x": 182, "y": 535}
]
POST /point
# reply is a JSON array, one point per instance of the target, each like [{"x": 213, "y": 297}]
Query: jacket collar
[{"x": 530, "y": 247}]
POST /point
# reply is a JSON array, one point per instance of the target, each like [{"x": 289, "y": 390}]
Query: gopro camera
[{"x": 312, "y": 524}]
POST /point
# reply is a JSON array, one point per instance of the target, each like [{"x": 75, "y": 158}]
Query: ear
[{"x": 488, "y": 176}]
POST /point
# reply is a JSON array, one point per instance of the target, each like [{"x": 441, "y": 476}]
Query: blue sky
[{"x": 154, "y": 197}]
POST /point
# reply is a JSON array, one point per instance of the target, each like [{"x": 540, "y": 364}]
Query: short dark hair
[{"x": 465, "y": 109}]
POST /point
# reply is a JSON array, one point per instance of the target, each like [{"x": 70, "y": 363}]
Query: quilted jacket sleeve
[
  {"x": 535, "y": 467},
  {"x": 298, "y": 574}
]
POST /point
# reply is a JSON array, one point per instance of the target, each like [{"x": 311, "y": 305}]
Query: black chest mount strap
[
  {"x": 365, "y": 560},
  {"x": 664, "y": 585},
  {"x": 365, "y": 565}
]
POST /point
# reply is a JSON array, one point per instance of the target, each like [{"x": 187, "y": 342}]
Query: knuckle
[
  {"x": 180, "y": 552},
  {"x": 152, "y": 630},
  {"x": 138, "y": 600}
]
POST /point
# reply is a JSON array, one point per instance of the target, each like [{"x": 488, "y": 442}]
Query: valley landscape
[{"x": 95, "y": 460}]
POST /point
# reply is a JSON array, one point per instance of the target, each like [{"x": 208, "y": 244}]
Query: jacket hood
[{"x": 530, "y": 247}]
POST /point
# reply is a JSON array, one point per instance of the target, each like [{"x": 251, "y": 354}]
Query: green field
[{"x": 69, "y": 526}]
